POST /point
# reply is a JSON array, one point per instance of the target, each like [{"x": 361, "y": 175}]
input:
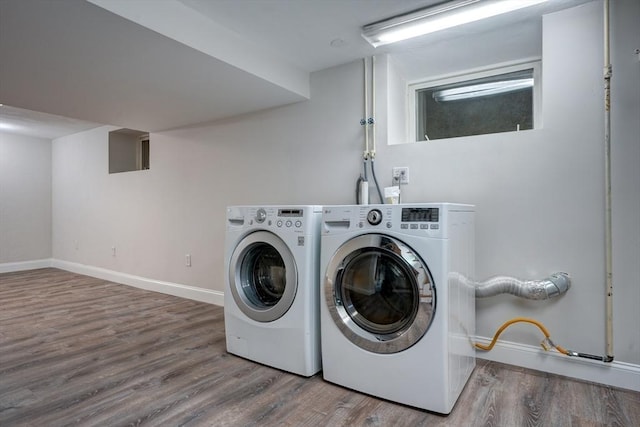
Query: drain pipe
[
  {"x": 362, "y": 185},
  {"x": 372, "y": 123},
  {"x": 607, "y": 188}
]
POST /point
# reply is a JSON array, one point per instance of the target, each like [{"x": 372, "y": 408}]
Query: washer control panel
[
  {"x": 290, "y": 215},
  {"x": 284, "y": 218}
]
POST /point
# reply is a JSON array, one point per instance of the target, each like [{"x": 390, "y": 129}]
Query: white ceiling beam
[{"x": 181, "y": 23}]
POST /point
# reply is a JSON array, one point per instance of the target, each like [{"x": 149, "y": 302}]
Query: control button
[
  {"x": 298, "y": 224},
  {"x": 435, "y": 226},
  {"x": 424, "y": 226},
  {"x": 414, "y": 226},
  {"x": 279, "y": 223},
  {"x": 360, "y": 224},
  {"x": 288, "y": 223},
  {"x": 404, "y": 226},
  {"x": 388, "y": 225},
  {"x": 374, "y": 217}
]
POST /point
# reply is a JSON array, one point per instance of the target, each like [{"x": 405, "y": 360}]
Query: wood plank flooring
[{"x": 80, "y": 351}]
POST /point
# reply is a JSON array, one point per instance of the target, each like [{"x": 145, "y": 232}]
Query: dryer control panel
[
  {"x": 423, "y": 219},
  {"x": 420, "y": 214}
]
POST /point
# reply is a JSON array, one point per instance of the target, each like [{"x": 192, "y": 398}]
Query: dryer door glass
[
  {"x": 380, "y": 293},
  {"x": 263, "y": 276}
]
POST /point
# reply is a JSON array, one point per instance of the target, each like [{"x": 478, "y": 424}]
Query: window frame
[
  {"x": 143, "y": 152},
  {"x": 129, "y": 150},
  {"x": 415, "y": 86}
]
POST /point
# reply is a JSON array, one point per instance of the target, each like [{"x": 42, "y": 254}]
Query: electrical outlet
[
  {"x": 113, "y": 251},
  {"x": 187, "y": 260},
  {"x": 400, "y": 175}
]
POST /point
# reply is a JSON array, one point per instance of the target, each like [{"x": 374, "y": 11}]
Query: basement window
[
  {"x": 499, "y": 100},
  {"x": 128, "y": 150}
]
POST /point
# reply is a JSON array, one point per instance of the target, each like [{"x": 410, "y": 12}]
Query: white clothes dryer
[
  {"x": 395, "y": 322},
  {"x": 271, "y": 306}
]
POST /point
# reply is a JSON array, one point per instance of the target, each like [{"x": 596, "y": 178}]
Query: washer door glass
[
  {"x": 263, "y": 276},
  {"x": 380, "y": 293}
]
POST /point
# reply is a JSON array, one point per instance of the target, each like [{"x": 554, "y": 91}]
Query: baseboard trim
[
  {"x": 9, "y": 267},
  {"x": 615, "y": 374},
  {"x": 175, "y": 289}
]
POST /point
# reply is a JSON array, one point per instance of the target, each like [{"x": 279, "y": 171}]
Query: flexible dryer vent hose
[{"x": 554, "y": 285}]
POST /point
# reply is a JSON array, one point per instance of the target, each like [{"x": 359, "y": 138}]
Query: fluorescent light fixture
[
  {"x": 8, "y": 126},
  {"x": 439, "y": 17},
  {"x": 482, "y": 89}
]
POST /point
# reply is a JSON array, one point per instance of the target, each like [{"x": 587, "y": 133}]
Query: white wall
[
  {"x": 539, "y": 194},
  {"x": 155, "y": 217},
  {"x": 25, "y": 198}
]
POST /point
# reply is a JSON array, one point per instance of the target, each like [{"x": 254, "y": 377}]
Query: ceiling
[
  {"x": 161, "y": 65},
  {"x": 40, "y": 125}
]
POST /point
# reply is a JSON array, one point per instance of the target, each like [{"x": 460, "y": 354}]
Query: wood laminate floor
[{"x": 75, "y": 350}]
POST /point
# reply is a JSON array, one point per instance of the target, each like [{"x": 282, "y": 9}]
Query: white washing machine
[
  {"x": 271, "y": 306},
  {"x": 395, "y": 322}
]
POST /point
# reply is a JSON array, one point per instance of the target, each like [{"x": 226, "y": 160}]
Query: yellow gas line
[{"x": 546, "y": 344}]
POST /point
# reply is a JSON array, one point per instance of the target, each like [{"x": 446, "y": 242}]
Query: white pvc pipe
[
  {"x": 366, "y": 109},
  {"x": 373, "y": 107},
  {"x": 607, "y": 189},
  {"x": 363, "y": 190}
]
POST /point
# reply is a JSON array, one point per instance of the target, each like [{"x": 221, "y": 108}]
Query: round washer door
[
  {"x": 379, "y": 293},
  {"x": 263, "y": 277}
]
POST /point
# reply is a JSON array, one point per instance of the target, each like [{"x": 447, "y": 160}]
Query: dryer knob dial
[
  {"x": 261, "y": 215},
  {"x": 374, "y": 217}
]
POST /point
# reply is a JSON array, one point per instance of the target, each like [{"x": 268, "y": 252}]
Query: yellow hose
[{"x": 525, "y": 320}]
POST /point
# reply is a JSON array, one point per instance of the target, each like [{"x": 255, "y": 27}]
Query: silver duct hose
[{"x": 553, "y": 286}]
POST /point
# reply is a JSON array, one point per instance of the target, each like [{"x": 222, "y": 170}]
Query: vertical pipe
[
  {"x": 363, "y": 184},
  {"x": 366, "y": 109},
  {"x": 607, "y": 189},
  {"x": 372, "y": 152},
  {"x": 373, "y": 107}
]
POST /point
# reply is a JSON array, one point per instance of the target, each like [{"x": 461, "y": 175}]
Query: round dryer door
[
  {"x": 263, "y": 276},
  {"x": 380, "y": 293}
]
